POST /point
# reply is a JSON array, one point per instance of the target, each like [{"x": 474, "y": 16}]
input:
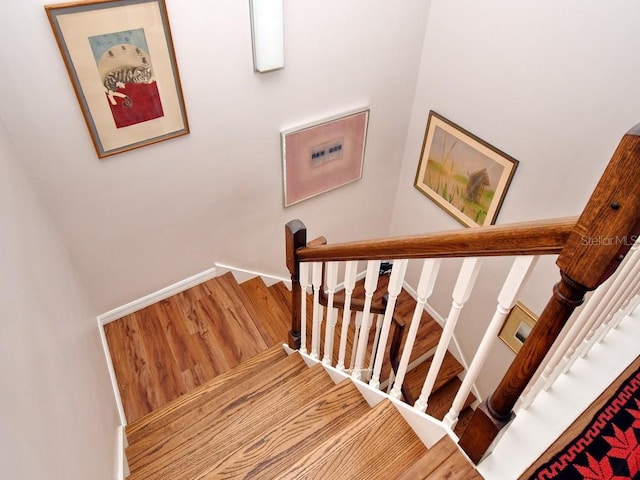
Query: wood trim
[{"x": 546, "y": 237}]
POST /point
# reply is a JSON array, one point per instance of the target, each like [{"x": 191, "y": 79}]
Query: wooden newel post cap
[{"x": 609, "y": 224}]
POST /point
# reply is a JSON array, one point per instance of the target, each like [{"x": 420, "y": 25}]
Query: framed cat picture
[{"x": 121, "y": 62}]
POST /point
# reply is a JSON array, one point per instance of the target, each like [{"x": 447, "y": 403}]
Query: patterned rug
[{"x": 609, "y": 448}]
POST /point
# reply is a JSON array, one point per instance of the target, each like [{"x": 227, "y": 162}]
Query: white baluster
[
  {"x": 621, "y": 298},
  {"x": 332, "y": 313},
  {"x": 351, "y": 270},
  {"x": 425, "y": 288},
  {"x": 518, "y": 275},
  {"x": 603, "y": 302},
  {"x": 574, "y": 331},
  {"x": 356, "y": 335},
  {"x": 395, "y": 286},
  {"x": 370, "y": 284},
  {"x": 461, "y": 292},
  {"x": 304, "y": 284},
  {"x": 614, "y": 315},
  {"x": 317, "y": 309}
]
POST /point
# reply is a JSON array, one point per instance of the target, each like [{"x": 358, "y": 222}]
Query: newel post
[
  {"x": 603, "y": 235},
  {"x": 295, "y": 234}
]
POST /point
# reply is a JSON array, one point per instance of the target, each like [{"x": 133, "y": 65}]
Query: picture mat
[
  {"x": 76, "y": 27},
  {"x": 467, "y": 155},
  {"x": 305, "y": 177}
]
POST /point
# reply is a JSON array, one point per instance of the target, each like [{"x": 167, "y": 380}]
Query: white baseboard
[
  {"x": 242, "y": 275},
  {"x": 155, "y": 297},
  {"x": 122, "y": 466},
  {"x": 134, "y": 306},
  {"x": 112, "y": 374}
]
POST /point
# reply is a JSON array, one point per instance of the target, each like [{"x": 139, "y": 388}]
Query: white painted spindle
[
  {"x": 621, "y": 298},
  {"x": 370, "y": 284},
  {"x": 395, "y": 286},
  {"x": 518, "y": 275},
  {"x": 601, "y": 302},
  {"x": 461, "y": 292},
  {"x": 614, "y": 316},
  {"x": 304, "y": 284},
  {"x": 351, "y": 270},
  {"x": 332, "y": 313},
  {"x": 425, "y": 289},
  {"x": 587, "y": 312},
  {"x": 316, "y": 281}
]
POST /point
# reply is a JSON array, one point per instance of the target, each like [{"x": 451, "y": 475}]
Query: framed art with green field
[{"x": 463, "y": 174}]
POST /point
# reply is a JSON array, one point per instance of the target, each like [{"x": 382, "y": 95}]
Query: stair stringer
[{"x": 428, "y": 429}]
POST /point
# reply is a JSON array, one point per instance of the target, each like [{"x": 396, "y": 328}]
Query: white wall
[
  {"x": 145, "y": 219},
  {"x": 58, "y": 414},
  {"x": 555, "y": 85}
]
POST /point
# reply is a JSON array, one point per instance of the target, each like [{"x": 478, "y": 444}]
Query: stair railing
[{"x": 590, "y": 249}]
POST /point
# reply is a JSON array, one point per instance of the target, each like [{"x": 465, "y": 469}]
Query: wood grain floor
[{"x": 173, "y": 346}]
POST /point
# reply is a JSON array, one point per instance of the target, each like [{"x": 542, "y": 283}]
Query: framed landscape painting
[
  {"x": 120, "y": 59},
  {"x": 464, "y": 175},
  {"x": 323, "y": 155}
]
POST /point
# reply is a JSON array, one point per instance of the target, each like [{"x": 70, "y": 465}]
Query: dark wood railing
[{"x": 590, "y": 248}]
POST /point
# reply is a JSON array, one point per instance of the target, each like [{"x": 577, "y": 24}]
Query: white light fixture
[{"x": 267, "y": 34}]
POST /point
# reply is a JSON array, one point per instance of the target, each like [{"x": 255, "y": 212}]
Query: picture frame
[
  {"x": 323, "y": 155},
  {"x": 517, "y": 327},
  {"x": 464, "y": 175},
  {"x": 120, "y": 58}
]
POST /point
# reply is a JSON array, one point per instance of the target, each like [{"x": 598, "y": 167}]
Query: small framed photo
[
  {"x": 517, "y": 327},
  {"x": 323, "y": 155},
  {"x": 464, "y": 175},
  {"x": 121, "y": 62}
]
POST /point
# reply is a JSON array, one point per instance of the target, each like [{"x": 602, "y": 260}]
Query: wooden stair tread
[
  {"x": 280, "y": 291},
  {"x": 190, "y": 416},
  {"x": 378, "y": 445},
  {"x": 192, "y": 450},
  {"x": 441, "y": 399},
  {"x": 268, "y": 310},
  {"x": 443, "y": 460},
  {"x": 171, "y": 347},
  {"x": 271, "y": 452},
  {"x": 450, "y": 368},
  {"x": 206, "y": 391}
]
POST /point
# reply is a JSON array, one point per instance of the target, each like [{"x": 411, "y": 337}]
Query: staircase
[{"x": 273, "y": 416}]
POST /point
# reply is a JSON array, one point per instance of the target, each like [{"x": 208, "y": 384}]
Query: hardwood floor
[{"x": 173, "y": 346}]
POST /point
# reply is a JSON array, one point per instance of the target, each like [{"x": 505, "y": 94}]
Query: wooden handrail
[
  {"x": 528, "y": 238},
  {"x": 590, "y": 249},
  {"x": 604, "y": 233}
]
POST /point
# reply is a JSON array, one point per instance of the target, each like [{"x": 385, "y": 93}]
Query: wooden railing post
[
  {"x": 295, "y": 238},
  {"x": 598, "y": 243}
]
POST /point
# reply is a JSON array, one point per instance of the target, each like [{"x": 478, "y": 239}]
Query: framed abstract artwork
[
  {"x": 323, "y": 155},
  {"x": 120, "y": 59},
  {"x": 464, "y": 175}
]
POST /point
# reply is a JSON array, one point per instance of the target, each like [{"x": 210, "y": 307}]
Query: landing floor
[{"x": 173, "y": 346}]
